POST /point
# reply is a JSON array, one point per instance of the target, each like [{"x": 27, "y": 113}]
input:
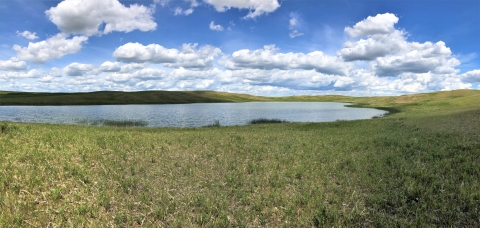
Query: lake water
[{"x": 190, "y": 115}]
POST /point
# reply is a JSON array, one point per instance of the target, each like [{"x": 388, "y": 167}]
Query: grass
[
  {"x": 216, "y": 123},
  {"x": 417, "y": 167},
  {"x": 113, "y": 123},
  {"x": 266, "y": 121},
  {"x": 114, "y": 97}
]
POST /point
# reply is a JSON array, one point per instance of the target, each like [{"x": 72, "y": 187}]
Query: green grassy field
[{"x": 417, "y": 167}]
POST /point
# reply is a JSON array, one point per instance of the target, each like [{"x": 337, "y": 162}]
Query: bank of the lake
[{"x": 417, "y": 167}]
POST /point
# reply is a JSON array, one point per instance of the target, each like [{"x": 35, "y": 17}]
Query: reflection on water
[{"x": 190, "y": 115}]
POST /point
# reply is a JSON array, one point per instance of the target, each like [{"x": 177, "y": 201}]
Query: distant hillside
[
  {"x": 464, "y": 98},
  {"x": 114, "y": 97}
]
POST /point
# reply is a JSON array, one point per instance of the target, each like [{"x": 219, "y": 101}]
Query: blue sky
[{"x": 261, "y": 47}]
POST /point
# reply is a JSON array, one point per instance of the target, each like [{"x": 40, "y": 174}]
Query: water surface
[{"x": 190, "y": 115}]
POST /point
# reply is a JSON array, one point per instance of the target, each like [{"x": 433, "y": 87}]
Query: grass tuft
[
  {"x": 6, "y": 128},
  {"x": 113, "y": 123},
  {"x": 216, "y": 123},
  {"x": 266, "y": 121}
]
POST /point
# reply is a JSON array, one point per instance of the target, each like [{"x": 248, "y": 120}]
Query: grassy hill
[
  {"x": 112, "y": 97},
  {"x": 415, "y": 168}
]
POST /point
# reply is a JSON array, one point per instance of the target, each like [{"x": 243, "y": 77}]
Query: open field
[{"x": 417, "y": 167}]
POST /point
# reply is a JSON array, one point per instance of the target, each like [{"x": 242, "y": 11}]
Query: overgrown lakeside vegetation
[{"x": 417, "y": 167}]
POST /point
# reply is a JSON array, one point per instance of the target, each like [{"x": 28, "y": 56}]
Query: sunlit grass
[{"x": 415, "y": 168}]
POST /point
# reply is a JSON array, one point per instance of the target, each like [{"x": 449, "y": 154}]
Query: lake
[{"x": 189, "y": 115}]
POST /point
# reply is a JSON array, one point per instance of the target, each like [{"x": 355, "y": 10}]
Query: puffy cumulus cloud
[
  {"x": 390, "y": 65},
  {"x": 86, "y": 17},
  {"x": 291, "y": 79},
  {"x": 268, "y": 58},
  {"x": 186, "y": 74},
  {"x": 28, "y": 35},
  {"x": 141, "y": 74},
  {"x": 391, "y": 54},
  {"x": 194, "y": 85},
  {"x": 13, "y": 65},
  {"x": 373, "y": 47},
  {"x": 53, "y": 76},
  {"x": 127, "y": 68},
  {"x": 415, "y": 61},
  {"x": 471, "y": 76},
  {"x": 30, "y": 74},
  {"x": 110, "y": 66},
  {"x": 215, "y": 27},
  {"x": 166, "y": 77},
  {"x": 256, "y": 7},
  {"x": 150, "y": 73},
  {"x": 55, "y": 72},
  {"x": 78, "y": 69},
  {"x": 379, "y": 24},
  {"x": 34, "y": 73},
  {"x": 50, "y": 49},
  {"x": 428, "y": 82},
  {"x": 188, "y": 57}
]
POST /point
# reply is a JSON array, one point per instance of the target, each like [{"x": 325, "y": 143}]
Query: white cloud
[
  {"x": 180, "y": 11},
  {"x": 161, "y": 2},
  {"x": 13, "y": 65},
  {"x": 421, "y": 60},
  {"x": 86, "y": 17},
  {"x": 28, "y": 35},
  {"x": 30, "y": 74},
  {"x": 110, "y": 66},
  {"x": 293, "y": 23},
  {"x": 390, "y": 65},
  {"x": 193, "y": 3},
  {"x": 471, "y": 76},
  {"x": 55, "y": 72},
  {"x": 373, "y": 47},
  {"x": 186, "y": 74},
  {"x": 295, "y": 33},
  {"x": 215, "y": 27},
  {"x": 149, "y": 73},
  {"x": 78, "y": 69},
  {"x": 380, "y": 24},
  {"x": 268, "y": 58},
  {"x": 34, "y": 73},
  {"x": 50, "y": 49},
  {"x": 390, "y": 51},
  {"x": 127, "y": 68},
  {"x": 141, "y": 74},
  {"x": 188, "y": 57},
  {"x": 256, "y": 7}
]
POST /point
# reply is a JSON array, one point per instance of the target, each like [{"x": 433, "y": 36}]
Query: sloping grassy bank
[
  {"x": 113, "y": 97},
  {"x": 418, "y": 167}
]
